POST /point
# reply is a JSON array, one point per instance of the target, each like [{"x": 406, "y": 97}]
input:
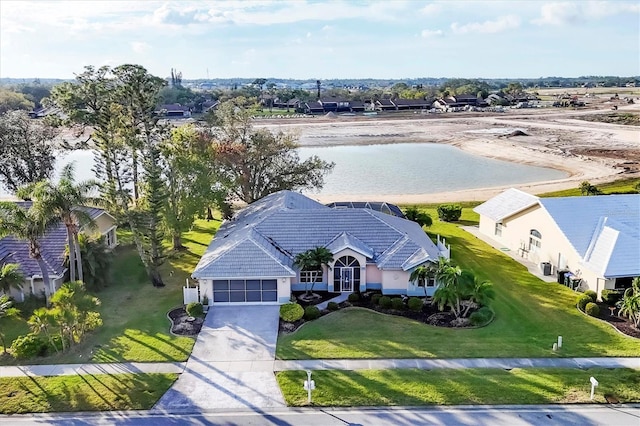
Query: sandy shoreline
[{"x": 555, "y": 140}]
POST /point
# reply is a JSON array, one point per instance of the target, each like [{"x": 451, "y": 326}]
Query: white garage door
[{"x": 238, "y": 291}]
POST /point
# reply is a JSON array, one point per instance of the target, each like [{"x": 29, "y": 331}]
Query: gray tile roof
[
  {"x": 52, "y": 247},
  {"x": 287, "y": 223}
]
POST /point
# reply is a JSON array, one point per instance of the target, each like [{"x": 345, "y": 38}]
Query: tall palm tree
[
  {"x": 63, "y": 200},
  {"x": 28, "y": 225},
  {"x": 313, "y": 260},
  {"x": 10, "y": 277},
  {"x": 450, "y": 285}
]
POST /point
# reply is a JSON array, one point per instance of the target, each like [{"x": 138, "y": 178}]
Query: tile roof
[
  {"x": 506, "y": 204},
  {"x": 287, "y": 223},
  {"x": 52, "y": 247}
]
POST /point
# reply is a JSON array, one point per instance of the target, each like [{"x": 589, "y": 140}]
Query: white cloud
[
  {"x": 139, "y": 46},
  {"x": 431, "y": 9},
  {"x": 431, "y": 33},
  {"x": 503, "y": 23},
  {"x": 563, "y": 13}
]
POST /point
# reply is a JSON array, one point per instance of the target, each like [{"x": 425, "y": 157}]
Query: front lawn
[
  {"x": 136, "y": 327},
  {"x": 530, "y": 315},
  {"x": 82, "y": 393},
  {"x": 448, "y": 387}
]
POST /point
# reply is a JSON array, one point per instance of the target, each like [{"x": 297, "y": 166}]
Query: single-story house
[
  {"x": 251, "y": 258},
  {"x": 173, "y": 110},
  {"x": 595, "y": 240},
  {"x": 52, "y": 246}
]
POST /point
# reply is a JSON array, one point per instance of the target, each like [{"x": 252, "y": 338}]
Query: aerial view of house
[
  {"x": 251, "y": 258},
  {"x": 591, "y": 242}
]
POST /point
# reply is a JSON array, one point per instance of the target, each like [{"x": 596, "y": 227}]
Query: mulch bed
[
  {"x": 622, "y": 324},
  {"x": 184, "y": 325}
]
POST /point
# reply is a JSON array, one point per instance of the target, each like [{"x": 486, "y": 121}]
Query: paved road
[
  {"x": 584, "y": 415},
  {"x": 231, "y": 365}
]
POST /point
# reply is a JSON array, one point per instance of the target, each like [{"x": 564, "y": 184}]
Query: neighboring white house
[
  {"x": 52, "y": 247},
  {"x": 251, "y": 258},
  {"x": 595, "y": 238}
]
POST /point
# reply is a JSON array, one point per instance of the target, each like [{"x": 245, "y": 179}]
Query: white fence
[
  {"x": 190, "y": 295},
  {"x": 445, "y": 250}
]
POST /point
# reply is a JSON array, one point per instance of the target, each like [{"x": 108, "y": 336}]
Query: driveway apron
[{"x": 231, "y": 365}]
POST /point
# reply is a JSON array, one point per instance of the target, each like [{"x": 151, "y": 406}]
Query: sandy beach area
[{"x": 593, "y": 151}]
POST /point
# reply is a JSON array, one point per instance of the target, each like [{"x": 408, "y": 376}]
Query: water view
[
  {"x": 407, "y": 168},
  {"x": 412, "y": 168}
]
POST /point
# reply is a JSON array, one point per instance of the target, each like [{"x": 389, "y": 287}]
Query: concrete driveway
[{"x": 231, "y": 365}]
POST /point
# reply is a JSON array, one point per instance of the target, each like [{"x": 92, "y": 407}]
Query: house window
[
  {"x": 110, "y": 238},
  {"x": 535, "y": 240},
  {"x": 308, "y": 276},
  {"x": 498, "y": 230},
  {"x": 431, "y": 282}
]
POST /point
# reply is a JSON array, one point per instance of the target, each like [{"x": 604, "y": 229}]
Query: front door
[{"x": 346, "y": 279}]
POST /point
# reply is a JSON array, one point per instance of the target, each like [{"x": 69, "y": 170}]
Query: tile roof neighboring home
[
  {"x": 52, "y": 245},
  {"x": 596, "y": 237},
  {"x": 506, "y": 204},
  {"x": 286, "y": 223}
]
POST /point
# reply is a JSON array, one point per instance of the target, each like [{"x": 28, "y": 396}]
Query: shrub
[
  {"x": 610, "y": 297},
  {"x": 354, "y": 297},
  {"x": 449, "y": 212},
  {"x": 194, "y": 309},
  {"x": 333, "y": 306},
  {"x": 375, "y": 299},
  {"x": 592, "y": 309},
  {"x": 481, "y": 316},
  {"x": 385, "y": 302},
  {"x": 29, "y": 346},
  {"x": 592, "y": 294},
  {"x": 415, "y": 304},
  {"x": 311, "y": 313},
  {"x": 397, "y": 303},
  {"x": 582, "y": 301},
  {"x": 291, "y": 312}
]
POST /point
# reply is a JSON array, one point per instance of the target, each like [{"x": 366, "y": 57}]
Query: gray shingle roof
[{"x": 287, "y": 223}]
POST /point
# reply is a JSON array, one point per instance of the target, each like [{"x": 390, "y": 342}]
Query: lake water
[{"x": 408, "y": 168}]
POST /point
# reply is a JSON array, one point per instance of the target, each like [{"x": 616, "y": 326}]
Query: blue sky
[{"x": 323, "y": 39}]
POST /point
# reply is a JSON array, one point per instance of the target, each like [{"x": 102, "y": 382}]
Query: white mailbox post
[
  {"x": 309, "y": 385},
  {"x": 594, "y": 383}
]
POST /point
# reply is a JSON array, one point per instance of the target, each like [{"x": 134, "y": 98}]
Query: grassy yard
[
  {"x": 136, "y": 327},
  {"x": 447, "y": 387},
  {"x": 82, "y": 393},
  {"x": 623, "y": 186},
  {"x": 530, "y": 314}
]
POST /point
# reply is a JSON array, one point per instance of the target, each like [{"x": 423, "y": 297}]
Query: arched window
[
  {"x": 346, "y": 274},
  {"x": 535, "y": 240}
]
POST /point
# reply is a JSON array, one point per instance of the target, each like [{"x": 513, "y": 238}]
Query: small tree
[
  {"x": 449, "y": 292},
  {"x": 449, "y": 212},
  {"x": 421, "y": 275},
  {"x": 312, "y": 261},
  {"x": 10, "y": 277},
  {"x": 630, "y": 304},
  {"x": 6, "y": 311},
  {"x": 587, "y": 189},
  {"x": 421, "y": 218}
]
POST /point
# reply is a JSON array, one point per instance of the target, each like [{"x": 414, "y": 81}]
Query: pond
[{"x": 407, "y": 168}]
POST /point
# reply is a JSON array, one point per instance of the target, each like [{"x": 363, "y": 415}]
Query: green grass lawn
[
  {"x": 622, "y": 186},
  {"x": 135, "y": 327},
  {"x": 530, "y": 314},
  {"x": 447, "y": 387},
  {"x": 82, "y": 393}
]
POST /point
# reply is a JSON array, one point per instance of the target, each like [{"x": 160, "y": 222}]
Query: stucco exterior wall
[
  {"x": 555, "y": 248},
  {"x": 374, "y": 275},
  {"x": 104, "y": 223},
  {"x": 395, "y": 282}
]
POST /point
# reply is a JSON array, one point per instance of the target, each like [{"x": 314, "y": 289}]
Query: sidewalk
[{"x": 325, "y": 364}]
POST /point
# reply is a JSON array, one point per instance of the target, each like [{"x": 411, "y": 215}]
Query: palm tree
[
  {"x": 630, "y": 303},
  {"x": 10, "y": 277},
  {"x": 27, "y": 225},
  {"x": 62, "y": 201},
  {"x": 450, "y": 285},
  {"x": 6, "y": 311},
  {"x": 421, "y": 275},
  {"x": 312, "y": 260}
]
